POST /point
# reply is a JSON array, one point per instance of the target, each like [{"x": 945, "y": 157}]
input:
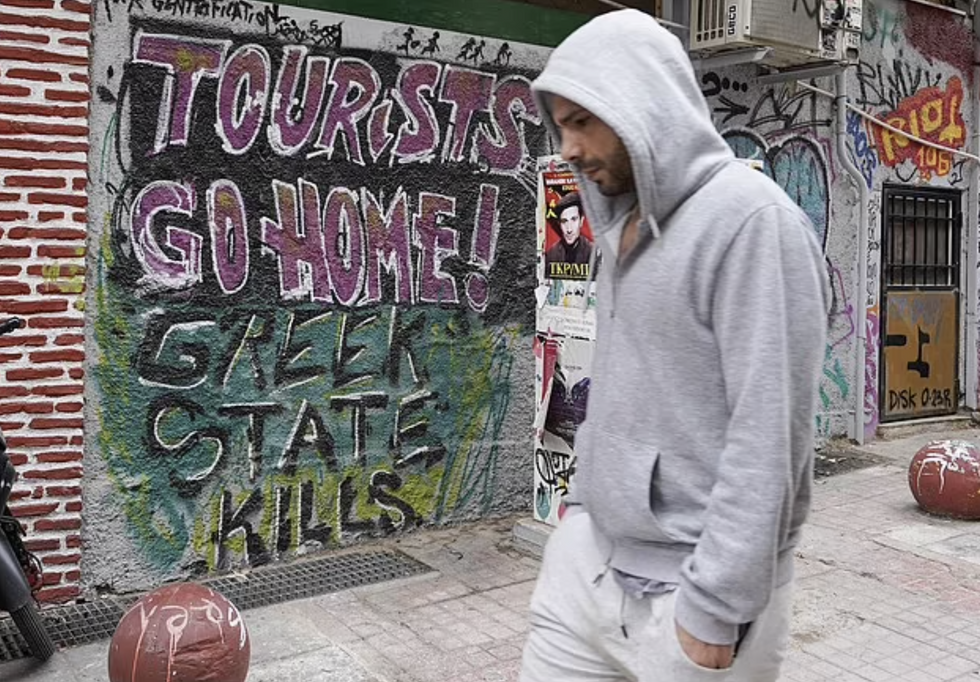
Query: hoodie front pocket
[{"x": 624, "y": 474}]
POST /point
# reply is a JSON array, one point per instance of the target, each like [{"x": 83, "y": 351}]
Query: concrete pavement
[{"x": 885, "y": 592}]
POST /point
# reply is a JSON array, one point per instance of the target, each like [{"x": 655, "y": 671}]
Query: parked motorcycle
[{"x": 20, "y": 570}]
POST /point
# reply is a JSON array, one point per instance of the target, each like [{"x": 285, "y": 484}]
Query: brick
[
  {"x": 19, "y": 494},
  {"x": 32, "y": 4},
  {"x": 66, "y": 95},
  {"x": 36, "y": 441},
  {"x": 33, "y": 307},
  {"x": 59, "y": 457},
  {"x": 73, "y": 541},
  {"x": 40, "y": 21},
  {"x": 76, "y": 373},
  {"x": 44, "y": 110},
  {"x": 38, "y": 509},
  {"x": 52, "y": 577},
  {"x": 75, "y": 506},
  {"x": 79, "y": 77},
  {"x": 56, "y": 423},
  {"x": 49, "y": 251},
  {"x": 27, "y": 408},
  {"x": 57, "y": 199},
  {"x": 39, "y": 146},
  {"x": 8, "y": 127},
  {"x": 34, "y": 181},
  {"x": 80, "y": 217},
  {"x": 48, "y": 216},
  {"x": 35, "y": 56},
  {"x": 10, "y": 357},
  {"x": 7, "y": 251},
  {"x": 11, "y": 216},
  {"x": 79, "y": 184},
  {"x": 61, "y": 355},
  {"x": 7, "y": 90},
  {"x": 56, "y": 270},
  {"x": 44, "y": 525},
  {"x": 69, "y": 339},
  {"x": 56, "y": 322},
  {"x": 75, "y": 6},
  {"x": 77, "y": 440},
  {"x": 34, "y": 373},
  {"x": 7, "y": 197},
  {"x": 11, "y": 426},
  {"x": 63, "y": 491},
  {"x": 61, "y": 559},
  {"x": 34, "y": 75},
  {"x": 14, "y": 289},
  {"x": 11, "y": 163},
  {"x": 10, "y": 270},
  {"x": 39, "y": 545},
  {"x": 74, "y": 42},
  {"x": 54, "y": 391},
  {"x": 13, "y": 392},
  {"x": 53, "y": 474},
  {"x": 69, "y": 408},
  {"x": 59, "y": 595},
  {"x": 61, "y": 288},
  {"x": 8, "y": 340},
  {"x": 55, "y": 233},
  {"x": 17, "y": 459},
  {"x": 18, "y": 37}
]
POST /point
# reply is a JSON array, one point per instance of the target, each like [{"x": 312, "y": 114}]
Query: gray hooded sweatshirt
[{"x": 695, "y": 460}]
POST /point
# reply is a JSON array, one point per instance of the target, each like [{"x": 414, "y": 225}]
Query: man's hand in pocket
[{"x": 713, "y": 656}]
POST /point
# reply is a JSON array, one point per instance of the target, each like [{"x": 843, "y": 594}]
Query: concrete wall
[
  {"x": 44, "y": 50},
  {"x": 912, "y": 57},
  {"x": 311, "y": 284}
]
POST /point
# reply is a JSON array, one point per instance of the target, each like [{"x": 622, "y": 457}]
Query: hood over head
[{"x": 634, "y": 75}]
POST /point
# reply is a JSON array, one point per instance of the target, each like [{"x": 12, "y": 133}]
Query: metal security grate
[
  {"x": 77, "y": 624},
  {"x": 922, "y": 238}
]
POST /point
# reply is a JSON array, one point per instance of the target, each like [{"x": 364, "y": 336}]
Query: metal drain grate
[{"x": 77, "y": 624}]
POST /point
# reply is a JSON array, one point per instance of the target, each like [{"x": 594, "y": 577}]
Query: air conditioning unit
[{"x": 795, "y": 32}]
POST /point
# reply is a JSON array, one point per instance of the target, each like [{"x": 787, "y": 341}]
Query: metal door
[{"x": 920, "y": 295}]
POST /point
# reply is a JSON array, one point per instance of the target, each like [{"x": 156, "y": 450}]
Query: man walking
[{"x": 674, "y": 562}]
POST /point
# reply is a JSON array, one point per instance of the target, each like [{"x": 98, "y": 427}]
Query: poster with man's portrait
[{"x": 568, "y": 240}]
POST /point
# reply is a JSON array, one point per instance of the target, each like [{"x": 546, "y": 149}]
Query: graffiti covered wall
[
  {"x": 911, "y": 74},
  {"x": 311, "y": 282}
]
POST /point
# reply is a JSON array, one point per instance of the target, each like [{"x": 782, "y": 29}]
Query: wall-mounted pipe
[
  {"x": 861, "y": 283},
  {"x": 972, "y": 246}
]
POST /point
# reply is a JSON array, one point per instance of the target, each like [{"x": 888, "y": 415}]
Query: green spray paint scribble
[{"x": 176, "y": 522}]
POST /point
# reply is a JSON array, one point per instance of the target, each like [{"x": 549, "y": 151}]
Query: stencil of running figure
[
  {"x": 464, "y": 52},
  {"x": 432, "y": 46},
  {"x": 477, "y": 54},
  {"x": 503, "y": 55},
  {"x": 410, "y": 42}
]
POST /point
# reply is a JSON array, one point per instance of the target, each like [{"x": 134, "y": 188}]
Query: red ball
[
  {"x": 945, "y": 479},
  {"x": 180, "y": 633}
]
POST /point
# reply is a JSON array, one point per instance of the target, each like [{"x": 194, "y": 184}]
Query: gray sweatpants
[{"x": 589, "y": 630}]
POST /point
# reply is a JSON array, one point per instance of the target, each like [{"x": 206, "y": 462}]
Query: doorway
[{"x": 920, "y": 302}]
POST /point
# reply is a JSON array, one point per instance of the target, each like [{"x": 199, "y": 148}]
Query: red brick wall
[{"x": 44, "y": 48}]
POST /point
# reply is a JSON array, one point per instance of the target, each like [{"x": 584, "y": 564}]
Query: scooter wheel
[{"x": 28, "y": 621}]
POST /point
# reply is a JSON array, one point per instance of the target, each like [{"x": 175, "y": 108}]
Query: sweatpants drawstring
[
  {"x": 622, "y": 616},
  {"x": 622, "y": 604}
]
